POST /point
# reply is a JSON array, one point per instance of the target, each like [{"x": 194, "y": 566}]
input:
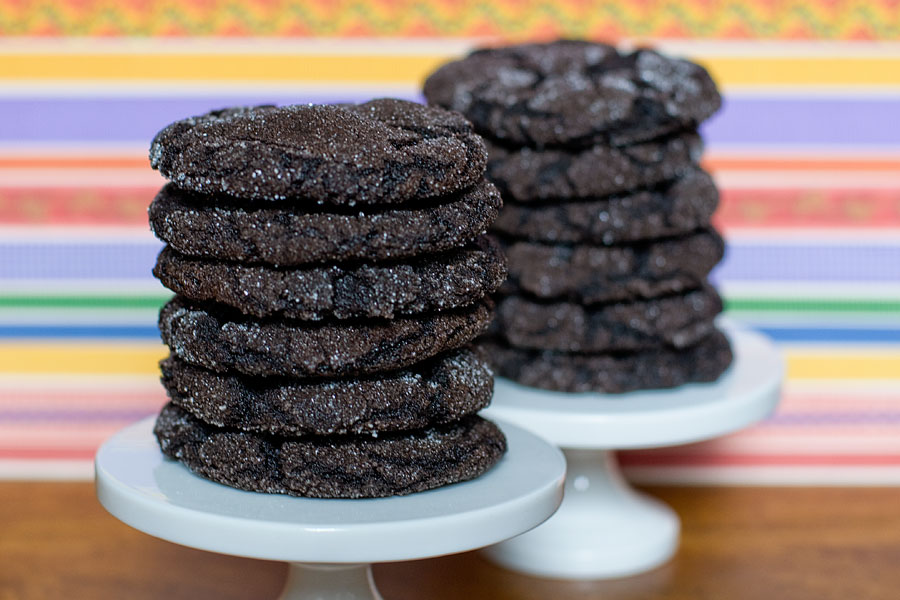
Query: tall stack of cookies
[
  {"x": 330, "y": 272},
  {"x": 606, "y": 218}
]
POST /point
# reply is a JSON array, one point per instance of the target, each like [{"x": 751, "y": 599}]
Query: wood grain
[{"x": 738, "y": 543}]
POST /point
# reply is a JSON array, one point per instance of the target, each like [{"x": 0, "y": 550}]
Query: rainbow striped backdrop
[{"x": 807, "y": 151}]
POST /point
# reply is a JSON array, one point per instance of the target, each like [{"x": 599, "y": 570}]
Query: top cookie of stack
[
  {"x": 606, "y": 220},
  {"x": 330, "y": 269}
]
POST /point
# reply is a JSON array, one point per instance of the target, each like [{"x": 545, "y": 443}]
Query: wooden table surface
[{"x": 56, "y": 541}]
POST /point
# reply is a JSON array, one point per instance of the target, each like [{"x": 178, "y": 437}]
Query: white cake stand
[
  {"x": 604, "y": 528},
  {"x": 328, "y": 543}
]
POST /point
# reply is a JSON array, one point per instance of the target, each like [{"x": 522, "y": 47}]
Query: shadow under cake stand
[
  {"x": 330, "y": 544},
  {"x": 604, "y": 528}
]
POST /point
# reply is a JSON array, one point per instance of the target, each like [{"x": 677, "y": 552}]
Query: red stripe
[
  {"x": 651, "y": 459},
  {"x": 795, "y": 208},
  {"x": 48, "y": 453},
  {"x": 76, "y": 206},
  {"x": 871, "y": 208}
]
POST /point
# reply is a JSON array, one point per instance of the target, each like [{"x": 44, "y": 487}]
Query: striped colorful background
[{"x": 806, "y": 150}]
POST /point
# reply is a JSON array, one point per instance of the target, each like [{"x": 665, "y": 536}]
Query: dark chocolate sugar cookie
[
  {"x": 222, "y": 340},
  {"x": 385, "y": 151},
  {"x": 528, "y": 175},
  {"x": 574, "y": 93},
  {"x": 361, "y": 466},
  {"x": 378, "y": 290},
  {"x": 443, "y": 389},
  {"x": 593, "y": 274},
  {"x": 216, "y": 227},
  {"x": 662, "y": 367},
  {"x": 678, "y": 321},
  {"x": 673, "y": 208}
]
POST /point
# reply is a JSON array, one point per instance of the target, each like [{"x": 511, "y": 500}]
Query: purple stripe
[
  {"x": 78, "y": 261},
  {"x": 787, "y": 121},
  {"x": 806, "y": 121},
  {"x": 122, "y": 119},
  {"x": 73, "y": 416},
  {"x": 809, "y": 263},
  {"x": 827, "y": 418},
  {"x": 743, "y": 261}
]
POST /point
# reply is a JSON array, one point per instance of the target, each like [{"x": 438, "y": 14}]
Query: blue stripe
[
  {"x": 149, "y": 331},
  {"x": 832, "y": 334}
]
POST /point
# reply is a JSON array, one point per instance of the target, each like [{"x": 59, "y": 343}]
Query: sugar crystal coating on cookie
[
  {"x": 216, "y": 227},
  {"x": 382, "y": 152},
  {"x": 223, "y": 340},
  {"x": 574, "y": 93},
  {"x": 591, "y": 274},
  {"x": 343, "y": 291},
  {"x": 673, "y": 208},
  {"x": 677, "y": 321},
  {"x": 332, "y": 466},
  {"x": 437, "y": 391},
  {"x": 526, "y": 175},
  {"x": 612, "y": 372}
]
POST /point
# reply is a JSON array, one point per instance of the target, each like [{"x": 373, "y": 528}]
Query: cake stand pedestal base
[
  {"x": 310, "y": 581},
  {"x": 604, "y": 528},
  {"x": 329, "y": 544}
]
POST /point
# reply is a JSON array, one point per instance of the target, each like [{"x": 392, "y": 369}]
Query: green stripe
[
  {"x": 812, "y": 305},
  {"x": 154, "y": 302}
]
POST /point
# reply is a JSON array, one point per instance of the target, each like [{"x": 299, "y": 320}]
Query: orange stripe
[
  {"x": 800, "y": 164},
  {"x": 104, "y": 162}
]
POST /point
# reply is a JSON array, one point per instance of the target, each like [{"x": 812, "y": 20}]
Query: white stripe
[
  {"x": 815, "y": 319},
  {"x": 46, "y": 470},
  {"x": 138, "y": 235},
  {"x": 850, "y": 290},
  {"x": 816, "y": 180},
  {"x": 117, "y": 287},
  {"x": 110, "y": 383},
  {"x": 200, "y": 89}
]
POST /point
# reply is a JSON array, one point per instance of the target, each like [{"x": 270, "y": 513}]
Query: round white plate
[
  {"x": 746, "y": 393},
  {"x": 162, "y": 498}
]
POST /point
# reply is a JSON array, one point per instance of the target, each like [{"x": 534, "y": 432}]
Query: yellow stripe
[
  {"x": 106, "y": 359},
  {"x": 218, "y": 67},
  {"x": 844, "y": 366},
  {"x": 406, "y": 68},
  {"x": 142, "y": 359}
]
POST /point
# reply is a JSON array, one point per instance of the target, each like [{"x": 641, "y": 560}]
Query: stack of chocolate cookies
[
  {"x": 606, "y": 218},
  {"x": 330, "y": 270}
]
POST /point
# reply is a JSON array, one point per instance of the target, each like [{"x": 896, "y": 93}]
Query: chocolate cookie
[
  {"x": 678, "y": 321},
  {"x": 216, "y": 227},
  {"x": 594, "y": 274},
  {"x": 574, "y": 93},
  {"x": 385, "y": 151},
  {"x": 332, "y": 466},
  {"x": 674, "y": 208},
  {"x": 528, "y": 175},
  {"x": 443, "y": 389},
  {"x": 429, "y": 283},
  {"x": 614, "y": 372},
  {"x": 221, "y": 340}
]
